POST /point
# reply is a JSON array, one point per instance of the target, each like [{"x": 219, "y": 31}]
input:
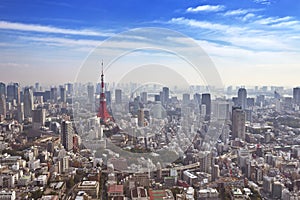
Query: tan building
[{"x": 90, "y": 187}]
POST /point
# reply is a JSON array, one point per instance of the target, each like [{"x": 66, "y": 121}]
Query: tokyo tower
[{"x": 102, "y": 112}]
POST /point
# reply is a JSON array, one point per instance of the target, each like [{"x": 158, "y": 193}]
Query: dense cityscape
[
  {"x": 89, "y": 141},
  {"x": 149, "y": 100}
]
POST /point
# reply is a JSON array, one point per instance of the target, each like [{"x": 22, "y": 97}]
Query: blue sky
[{"x": 251, "y": 42}]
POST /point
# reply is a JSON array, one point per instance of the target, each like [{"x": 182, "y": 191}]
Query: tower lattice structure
[{"x": 102, "y": 111}]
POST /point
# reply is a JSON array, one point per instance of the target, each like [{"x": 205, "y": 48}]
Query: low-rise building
[{"x": 90, "y": 187}]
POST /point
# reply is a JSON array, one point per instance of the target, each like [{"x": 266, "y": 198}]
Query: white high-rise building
[{"x": 242, "y": 98}]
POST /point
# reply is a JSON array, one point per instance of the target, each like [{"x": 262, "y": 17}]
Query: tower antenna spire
[{"x": 102, "y": 66}]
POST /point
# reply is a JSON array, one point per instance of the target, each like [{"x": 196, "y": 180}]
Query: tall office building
[
  {"x": 2, "y": 107},
  {"x": 70, "y": 88},
  {"x": 91, "y": 93},
  {"x": 28, "y": 102},
  {"x": 63, "y": 94},
  {"x": 185, "y": 98},
  {"x": 165, "y": 96},
  {"x": 206, "y": 100},
  {"x": 67, "y": 135},
  {"x": 242, "y": 98},
  {"x": 13, "y": 92},
  {"x": 296, "y": 95},
  {"x": 238, "y": 123},
  {"x": 118, "y": 96},
  {"x": 2, "y": 89},
  {"x": 197, "y": 98},
  {"x": 53, "y": 94},
  {"x": 38, "y": 118},
  {"x": 20, "y": 112}
]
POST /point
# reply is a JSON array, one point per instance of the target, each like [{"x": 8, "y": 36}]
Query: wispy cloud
[
  {"x": 63, "y": 42},
  {"x": 272, "y": 20},
  {"x": 271, "y": 34},
  {"x": 236, "y": 12},
  {"x": 205, "y": 25},
  {"x": 49, "y": 29},
  {"x": 247, "y": 17},
  {"x": 205, "y": 8},
  {"x": 264, "y": 2},
  {"x": 240, "y": 12},
  {"x": 14, "y": 65}
]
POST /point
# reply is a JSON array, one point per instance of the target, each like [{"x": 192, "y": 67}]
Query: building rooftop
[
  {"x": 115, "y": 189},
  {"x": 89, "y": 183}
]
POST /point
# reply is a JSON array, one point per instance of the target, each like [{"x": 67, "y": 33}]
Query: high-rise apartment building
[
  {"x": 67, "y": 135},
  {"x": 38, "y": 118},
  {"x": 238, "y": 123}
]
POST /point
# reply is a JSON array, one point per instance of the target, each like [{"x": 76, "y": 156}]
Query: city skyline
[{"x": 50, "y": 40}]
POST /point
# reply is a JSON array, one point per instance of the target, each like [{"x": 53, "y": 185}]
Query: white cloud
[
  {"x": 64, "y": 42},
  {"x": 286, "y": 24},
  {"x": 206, "y": 25},
  {"x": 272, "y": 20},
  {"x": 48, "y": 29},
  {"x": 273, "y": 37},
  {"x": 248, "y": 16},
  {"x": 264, "y": 2},
  {"x": 205, "y": 8},
  {"x": 236, "y": 12}
]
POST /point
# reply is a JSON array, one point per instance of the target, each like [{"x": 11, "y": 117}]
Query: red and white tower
[{"x": 102, "y": 112}]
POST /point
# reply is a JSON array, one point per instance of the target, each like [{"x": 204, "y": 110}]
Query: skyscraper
[
  {"x": 2, "y": 106},
  {"x": 70, "y": 88},
  {"x": 296, "y": 95},
  {"x": 206, "y": 100},
  {"x": 13, "y": 92},
  {"x": 185, "y": 98},
  {"x": 28, "y": 102},
  {"x": 38, "y": 118},
  {"x": 238, "y": 123},
  {"x": 2, "y": 89},
  {"x": 165, "y": 96},
  {"x": 118, "y": 96},
  {"x": 53, "y": 94},
  {"x": 63, "y": 94},
  {"x": 20, "y": 112},
  {"x": 197, "y": 98},
  {"x": 242, "y": 98},
  {"x": 67, "y": 135},
  {"x": 91, "y": 93}
]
